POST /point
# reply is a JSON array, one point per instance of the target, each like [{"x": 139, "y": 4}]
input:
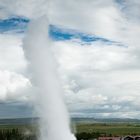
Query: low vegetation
[
  {"x": 85, "y": 131},
  {"x": 114, "y": 129},
  {"x": 15, "y": 134}
]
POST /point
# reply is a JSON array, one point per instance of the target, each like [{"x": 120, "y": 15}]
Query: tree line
[{"x": 15, "y": 134}]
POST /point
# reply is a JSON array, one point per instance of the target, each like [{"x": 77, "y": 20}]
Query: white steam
[{"x": 54, "y": 122}]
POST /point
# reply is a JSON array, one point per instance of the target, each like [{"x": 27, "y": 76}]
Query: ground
[{"x": 114, "y": 129}]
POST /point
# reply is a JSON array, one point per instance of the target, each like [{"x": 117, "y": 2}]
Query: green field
[
  {"x": 21, "y": 128},
  {"x": 116, "y": 129}
]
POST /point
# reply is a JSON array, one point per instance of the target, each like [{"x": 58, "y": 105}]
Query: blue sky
[
  {"x": 97, "y": 49},
  {"x": 19, "y": 25}
]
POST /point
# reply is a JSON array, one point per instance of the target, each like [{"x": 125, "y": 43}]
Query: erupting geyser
[{"x": 54, "y": 119}]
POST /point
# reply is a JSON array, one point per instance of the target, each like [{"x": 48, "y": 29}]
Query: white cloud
[
  {"x": 131, "y": 9},
  {"x": 27, "y": 8},
  {"x": 97, "y": 77},
  {"x": 13, "y": 86},
  {"x": 11, "y": 53}
]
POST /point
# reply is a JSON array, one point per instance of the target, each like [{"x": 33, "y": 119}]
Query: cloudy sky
[{"x": 97, "y": 47}]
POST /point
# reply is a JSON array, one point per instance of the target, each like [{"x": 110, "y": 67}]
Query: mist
[{"x": 49, "y": 104}]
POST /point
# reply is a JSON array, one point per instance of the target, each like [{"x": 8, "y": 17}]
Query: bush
[{"x": 14, "y": 134}]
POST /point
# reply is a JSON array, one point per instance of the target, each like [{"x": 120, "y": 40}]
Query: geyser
[{"x": 54, "y": 118}]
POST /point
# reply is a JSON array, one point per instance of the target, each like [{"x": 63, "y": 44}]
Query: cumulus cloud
[
  {"x": 11, "y": 53},
  {"x": 13, "y": 86},
  {"x": 98, "y": 79},
  {"x": 131, "y": 9},
  {"x": 27, "y": 8}
]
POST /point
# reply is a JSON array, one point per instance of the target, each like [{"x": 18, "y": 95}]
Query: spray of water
[{"x": 54, "y": 119}]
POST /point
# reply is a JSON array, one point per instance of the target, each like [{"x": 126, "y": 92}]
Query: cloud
[
  {"x": 130, "y": 9},
  {"x": 15, "y": 110},
  {"x": 18, "y": 25},
  {"x": 13, "y": 86},
  {"x": 11, "y": 53},
  {"x": 103, "y": 18},
  {"x": 99, "y": 80},
  {"x": 27, "y": 8}
]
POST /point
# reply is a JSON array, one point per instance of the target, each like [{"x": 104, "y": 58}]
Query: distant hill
[
  {"x": 106, "y": 120},
  {"x": 21, "y": 121},
  {"x": 18, "y": 121}
]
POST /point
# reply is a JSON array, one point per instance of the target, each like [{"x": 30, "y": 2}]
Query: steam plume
[{"x": 54, "y": 120}]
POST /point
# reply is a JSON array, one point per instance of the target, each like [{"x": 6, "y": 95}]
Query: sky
[{"x": 97, "y": 47}]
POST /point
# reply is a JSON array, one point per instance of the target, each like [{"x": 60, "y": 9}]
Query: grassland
[{"x": 115, "y": 129}]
